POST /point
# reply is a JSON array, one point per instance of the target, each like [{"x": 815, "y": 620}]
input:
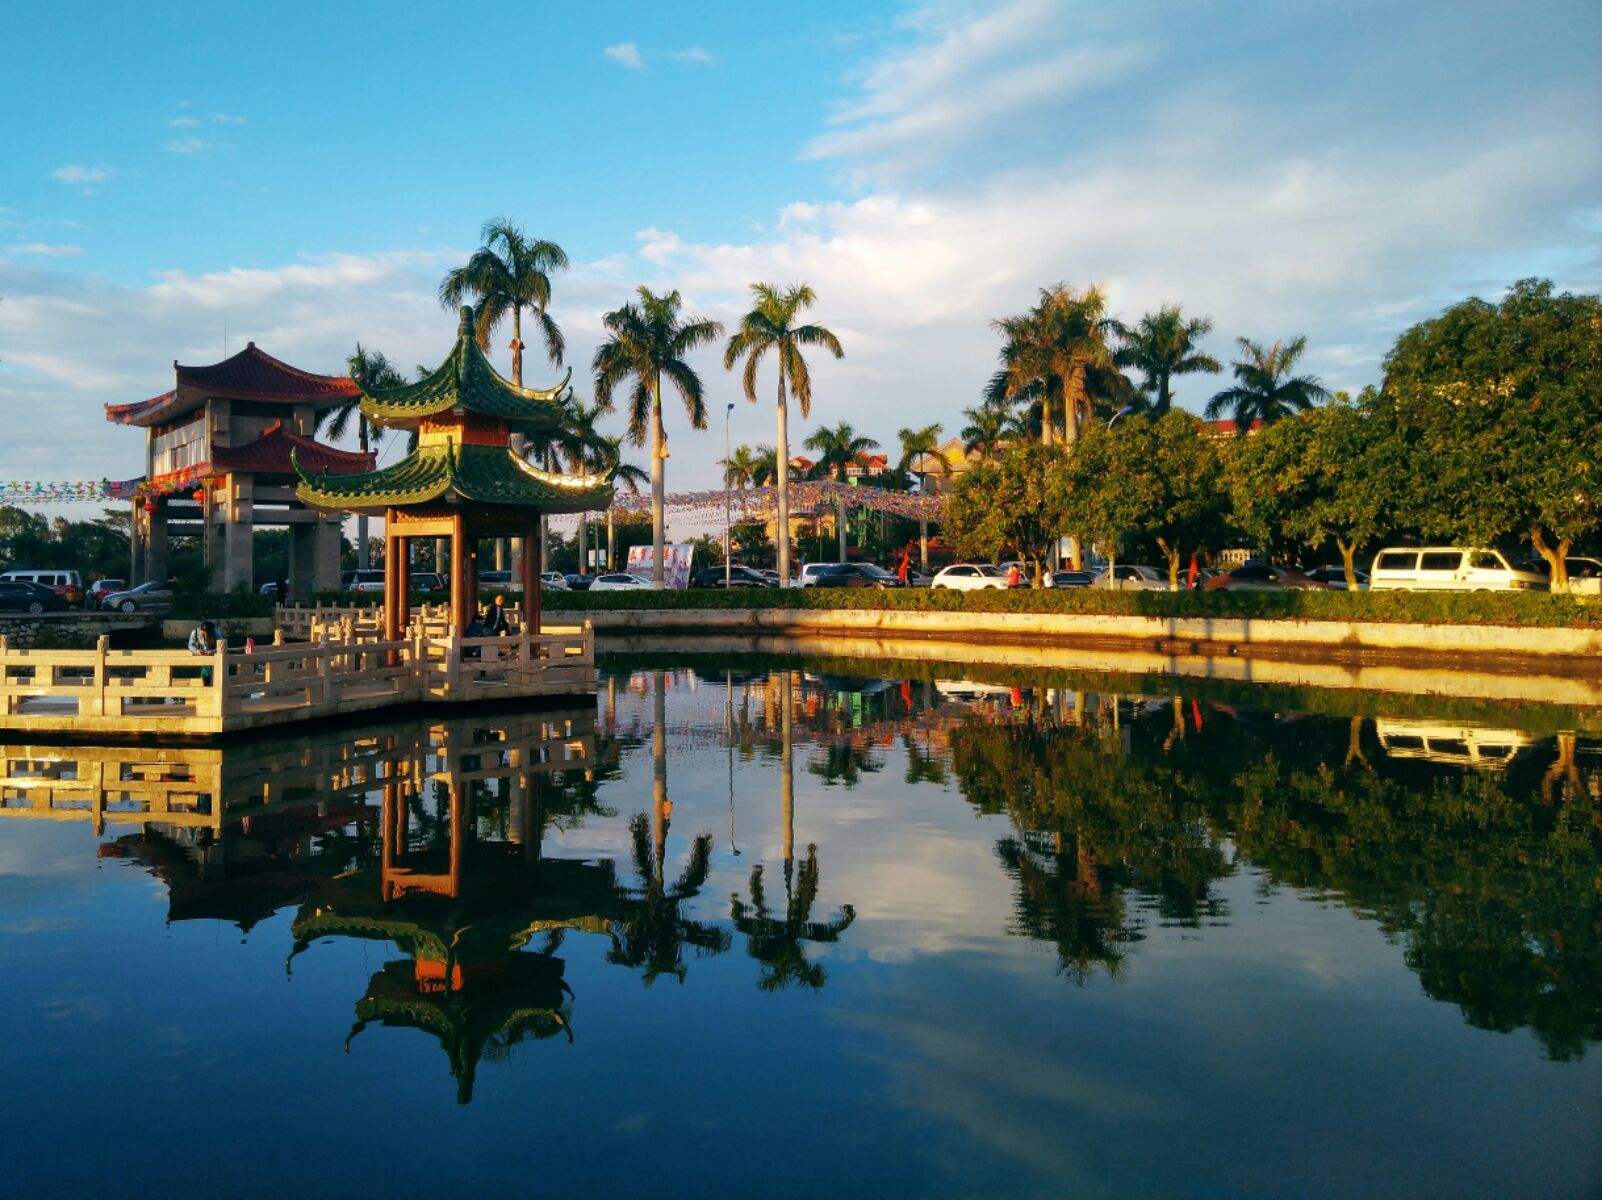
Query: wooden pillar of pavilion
[
  {"x": 460, "y": 565},
  {"x": 394, "y": 580}
]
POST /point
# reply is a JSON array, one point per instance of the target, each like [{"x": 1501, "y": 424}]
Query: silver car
[
  {"x": 1128, "y": 577},
  {"x": 154, "y": 596}
]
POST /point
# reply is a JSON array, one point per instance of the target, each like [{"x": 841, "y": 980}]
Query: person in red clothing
[
  {"x": 904, "y": 565},
  {"x": 1190, "y": 575},
  {"x": 1014, "y": 576}
]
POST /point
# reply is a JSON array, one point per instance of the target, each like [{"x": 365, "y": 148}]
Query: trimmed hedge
[{"x": 1426, "y": 608}]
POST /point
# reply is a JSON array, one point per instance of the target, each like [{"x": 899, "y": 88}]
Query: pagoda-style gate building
[
  {"x": 217, "y": 465},
  {"x": 464, "y": 481}
]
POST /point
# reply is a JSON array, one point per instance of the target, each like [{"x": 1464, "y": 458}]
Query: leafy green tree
[
  {"x": 1172, "y": 469},
  {"x": 1265, "y": 390},
  {"x": 1161, "y": 346},
  {"x": 771, "y": 325},
  {"x": 1333, "y": 474},
  {"x": 838, "y": 447},
  {"x": 647, "y": 342},
  {"x": 1019, "y": 503},
  {"x": 751, "y": 541},
  {"x": 739, "y": 469},
  {"x": 508, "y": 273},
  {"x": 1499, "y": 406}
]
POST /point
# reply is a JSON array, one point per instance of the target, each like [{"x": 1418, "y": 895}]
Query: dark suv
[
  {"x": 855, "y": 575},
  {"x": 739, "y": 577}
]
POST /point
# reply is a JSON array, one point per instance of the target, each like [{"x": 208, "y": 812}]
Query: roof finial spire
[{"x": 465, "y": 328}]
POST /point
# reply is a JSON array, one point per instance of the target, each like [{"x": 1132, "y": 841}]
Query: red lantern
[
  {"x": 150, "y": 506},
  {"x": 200, "y": 496}
]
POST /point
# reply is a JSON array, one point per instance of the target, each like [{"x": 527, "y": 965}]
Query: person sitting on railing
[
  {"x": 203, "y": 644},
  {"x": 495, "y": 619},
  {"x": 475, "y": 629}
]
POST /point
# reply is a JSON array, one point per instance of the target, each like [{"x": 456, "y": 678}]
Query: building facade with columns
[{"x": 218, "y": 464}]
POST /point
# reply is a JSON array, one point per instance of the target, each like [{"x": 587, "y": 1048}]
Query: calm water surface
[{"x": 760, "y": 928}]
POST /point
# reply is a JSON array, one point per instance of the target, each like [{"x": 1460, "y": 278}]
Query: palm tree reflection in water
[{"x": 777, "y": 942}]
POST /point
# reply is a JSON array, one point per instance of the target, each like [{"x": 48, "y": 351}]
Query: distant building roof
[
  {"x": 1229, "y": 427},
  {"x": 269, "y": 455},
  {"x": 252, "y": 374}
]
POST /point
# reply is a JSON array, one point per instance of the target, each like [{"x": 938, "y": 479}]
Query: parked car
[
  {"x": 855, "y": 575},
  {"x": 428, "y": 581},
  {"x": 154, "y": 596},
  {"x": 1261, "y": 577},
  {"x": 1069, "y": 579},
  {"x": 808, "y": 570},
  {"x": 1335, "y": 577},
  {"x": 549, "y": 580},
  {"x": 771, "y": 576},
  {"x": 1131, "y": 577},
  {"x": 621, "y": 581},
  {"x": 578, "y": 582},
  {"x": 506, "y": 582},
  {"x": 969, "y": 577},
  {"x": 18, "y": 595},
  {"x": 1451, "y": 568},
  {"x": 365, "y": 580},
  {"x": 95, "y": 597},
  {"x": 66, "y": 584},
  {"x": 1583, "y": 568},
  {"x": 738, "y": 577},
  {"x": 916, "y": 578}
]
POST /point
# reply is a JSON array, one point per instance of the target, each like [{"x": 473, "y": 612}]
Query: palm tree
[
  {"x": 1265, "y": 390},
  {"x": 765, "y": 471},
  {"x": 739, "y": 469},
  {"x": 988, "y": 426},
  {"x": 654, "y": 930},
  {"x": 838, "y": 448},
  {"x": 1058, "y": 352},
  {"x": 770, "y": 325},
  {"x": 508, "y": 273},
  {"x": 609, "y": 459},
  {"x": 647, "y": 341},
  {"x": 584, "y": 450},
  {"x": 370, "y": 369},
  {"x": 918, "y": 447},
  {"x": 1161, "y": 346}
]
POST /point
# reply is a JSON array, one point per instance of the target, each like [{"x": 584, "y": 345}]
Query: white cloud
[
  {"x": 187, "y": 145},
  {"x": 183, "y": 122},
  {"x": 75, "y": 174},
  {"x": 626, "y": 54},
  {"x": 694, "y": 55},
  {"x": 42, "y": 250},
  {"x": 221, "y": 118}
]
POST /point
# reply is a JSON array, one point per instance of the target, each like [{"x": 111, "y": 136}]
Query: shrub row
[{"x": 1429, "y": 608}]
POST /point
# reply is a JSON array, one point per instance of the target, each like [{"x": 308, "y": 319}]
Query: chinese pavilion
[
  {"x": 463, "y": 481},
  {"x": 218, "y": 450}
]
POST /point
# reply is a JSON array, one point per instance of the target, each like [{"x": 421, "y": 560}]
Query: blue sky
[{"x": 302, "y": 174}]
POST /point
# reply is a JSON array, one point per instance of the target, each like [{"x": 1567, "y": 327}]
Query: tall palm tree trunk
[
  {"x": 658, "y": 485},
  {"x": 840, "y": 517},
  {"x": 782, "y": 484},
  {"x": 611, "y": 543},
  {"x": 1070, "y": 412},
  {"x": 362, "y": 540},
  {"x": 1046, "y": 430}
]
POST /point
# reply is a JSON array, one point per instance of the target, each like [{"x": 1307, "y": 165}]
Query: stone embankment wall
[
  {"x": 1582, "y": 648},
  {"x": 66, "y": 630}
]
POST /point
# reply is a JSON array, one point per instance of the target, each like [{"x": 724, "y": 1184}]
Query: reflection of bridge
[{"x": 207, "y": 787}]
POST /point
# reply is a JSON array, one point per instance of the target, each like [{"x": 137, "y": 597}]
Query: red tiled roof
[
  {"x": 269, "y": 455},
  {"x": 1231, "y": 426},
  {"x": 252, "y": 374}
]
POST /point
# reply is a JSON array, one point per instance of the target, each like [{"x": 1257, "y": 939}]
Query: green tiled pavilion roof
[
  {"x": 466, "y": 381},
  {"x": 481, "y": 474}
]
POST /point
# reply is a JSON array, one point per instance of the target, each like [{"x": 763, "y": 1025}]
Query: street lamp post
[{"x": 728, "y": 563}]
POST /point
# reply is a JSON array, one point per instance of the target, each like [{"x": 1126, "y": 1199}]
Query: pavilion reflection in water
[{"x": 1115, "y": 813}]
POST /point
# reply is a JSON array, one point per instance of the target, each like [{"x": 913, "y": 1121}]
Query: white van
[
  {"x": 66, "y": 584},
  {"x": 1450, "y": 568}
]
